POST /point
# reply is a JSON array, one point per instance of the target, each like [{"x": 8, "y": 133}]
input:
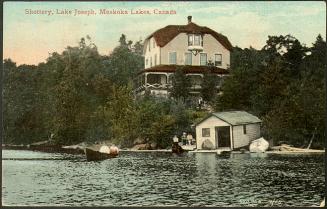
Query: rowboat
[
  {"x": 97, "y": 155},
  {"x": 177, "y": 149}
]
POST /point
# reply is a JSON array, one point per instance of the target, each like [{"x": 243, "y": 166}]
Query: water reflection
[{"x": 206, "y": 163}]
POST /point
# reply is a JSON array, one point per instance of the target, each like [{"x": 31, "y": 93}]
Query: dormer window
[
  {"x": 195, "y": 40},
  {"x": 190, "y": 40}
]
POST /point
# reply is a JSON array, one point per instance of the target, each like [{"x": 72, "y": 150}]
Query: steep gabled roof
[
  {"x": 186, "y": 68},
  {"x": 237, "y": 117},
  {"x": 168, "y": 33},
  {"x": 234, "y": 117}
]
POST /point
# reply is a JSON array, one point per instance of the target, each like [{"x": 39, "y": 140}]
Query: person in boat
[
  {"x": 184, "y": 139},
  {"x": 189, "y": 139},
  {"x": 175, "y": 147},
  {"x": 175, "y": 139}
]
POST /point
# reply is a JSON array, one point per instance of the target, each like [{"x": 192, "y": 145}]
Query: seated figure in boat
[{"x": 175, "y": 147}]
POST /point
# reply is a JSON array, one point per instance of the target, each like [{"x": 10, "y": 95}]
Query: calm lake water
[{"x": 162, "y": 179}]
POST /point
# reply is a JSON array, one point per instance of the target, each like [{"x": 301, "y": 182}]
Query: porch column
[
  {"x": 145, "y": 80},
  {"x": 166, "y": 74}
]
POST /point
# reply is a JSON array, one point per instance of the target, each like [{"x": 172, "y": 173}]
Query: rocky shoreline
[
  {"x": 79, "y": 149},
  {"x": 44, "y": 148},
  {"x": 47, "y": 146},
  {"x": 141, "y": 146}
]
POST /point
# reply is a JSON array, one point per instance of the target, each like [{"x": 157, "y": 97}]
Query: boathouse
[{"x": 233, "y": 129}]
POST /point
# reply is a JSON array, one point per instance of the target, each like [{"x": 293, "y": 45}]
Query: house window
[
  {"x": 146, "y": 62},
  {"x": 150, "y": 61},
  {"x": 155, "y": 59},
  {"x": 206, "y": 132},
  {"x": 244, "y": 129},
  {"x": 154, "y": 43},
  {"x": 188, "y": 58},
  {"x": 196, "y": 40},
  {"x": 218, "y": 59},
  {"x": 172, "y": 58},
  {"x": 190, "y": 40},
  {"x": 203, "y": 59},
  {"x": 149, "y": 46}
]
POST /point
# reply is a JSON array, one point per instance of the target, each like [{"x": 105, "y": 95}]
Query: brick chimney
[{"x": 189, "y": 19}]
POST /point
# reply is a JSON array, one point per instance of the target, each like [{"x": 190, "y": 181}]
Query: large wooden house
[{"x": 189, "y": 46}]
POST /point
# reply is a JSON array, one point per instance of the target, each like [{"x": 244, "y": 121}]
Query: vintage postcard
[{"x": 164, "y": 103}]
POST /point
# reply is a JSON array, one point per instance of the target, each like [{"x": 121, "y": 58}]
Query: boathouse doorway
[{"x": 222, "y": 136}]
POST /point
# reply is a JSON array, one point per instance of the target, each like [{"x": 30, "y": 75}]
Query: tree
[
  {"x": 121, "y": 114},
  {"x": 23, "y": 122},
  {"x": 243, "y": 81},
  {"x": 182, "y": 119},
  {"x": 289, "y": 49},
  {"x": 138, "y": 47},
  {"x": 271, "y": 88},
  {"x": 209, "y": 86},
  {"x": 284, "y": 85},
  {"x": 163, "y": 130},
  {"x": 75, "y": 97},
  {"x": 123, "y": 64},
  {"x": 180, "y": 85}
]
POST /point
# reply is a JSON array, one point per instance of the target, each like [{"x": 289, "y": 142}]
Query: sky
[{"x": 29, "y": 38}]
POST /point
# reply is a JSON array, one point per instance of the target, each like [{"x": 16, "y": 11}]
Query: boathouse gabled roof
[{"x": 234, "y": 118}]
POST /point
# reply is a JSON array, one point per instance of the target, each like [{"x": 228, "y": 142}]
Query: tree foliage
[
  {"x": 283, "y": 84},
  {"x": 67, "y": 95},
  {"x": 80, "y": 95},
  {"x": 180, "y": 85},
  {"x": 209, "y": 86}
]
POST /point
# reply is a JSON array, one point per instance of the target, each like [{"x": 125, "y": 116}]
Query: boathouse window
[
  {"x": 155, "y": 59},
  {"x": 150, "y": 61},
  {"x": 203, "y": 59},
  {"x": 188, "y": 58},
  {"x": 244, "y": 129},
  {"x": 172, "y": 58},
  {"x": 206, "y": 132},
  {"x": 218, "y": 59},
  {"x": 146, "y": 62}
]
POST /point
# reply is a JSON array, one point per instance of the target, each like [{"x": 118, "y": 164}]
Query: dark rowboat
[
  {"x": 93, "y": 155},
  {"x": 177, "y": 149}
]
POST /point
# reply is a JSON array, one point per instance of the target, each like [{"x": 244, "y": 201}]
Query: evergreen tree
[
  {"x": 209, "y": 86},
  {"x": 180, "y": 85}
]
